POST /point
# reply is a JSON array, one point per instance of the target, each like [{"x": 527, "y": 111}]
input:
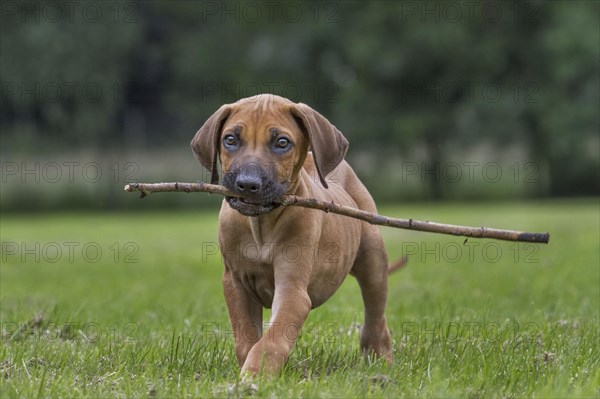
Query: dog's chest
[
  {"x": 257, "y": 278},
  {"x": 261, "y": 255},
  {"x": 252, "y": 265},
  {"x": 260, "y": 286}
]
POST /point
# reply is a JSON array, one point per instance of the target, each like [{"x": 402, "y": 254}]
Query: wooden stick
[{"x": 372, "y": 218}]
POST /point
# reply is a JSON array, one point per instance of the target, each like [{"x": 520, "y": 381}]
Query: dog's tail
[{"x": 398, "y": 264}]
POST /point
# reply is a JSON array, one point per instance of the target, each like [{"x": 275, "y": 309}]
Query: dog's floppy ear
[
  {"x": 327, "y": 143},
  {"x": 205, "y": 143}
]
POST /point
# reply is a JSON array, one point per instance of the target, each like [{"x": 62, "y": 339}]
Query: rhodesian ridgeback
[{"x": 289, "y": 259}]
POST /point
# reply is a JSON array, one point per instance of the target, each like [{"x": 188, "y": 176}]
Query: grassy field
[{"x": 130, "y": 305}]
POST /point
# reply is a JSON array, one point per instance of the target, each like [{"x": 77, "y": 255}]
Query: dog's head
[{"x": 262, "y": 142}]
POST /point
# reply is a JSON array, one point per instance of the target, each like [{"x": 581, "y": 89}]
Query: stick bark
[{"x": 372, "y": 218}]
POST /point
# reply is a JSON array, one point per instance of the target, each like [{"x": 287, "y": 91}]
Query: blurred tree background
[{"x": 439, "y": 99}]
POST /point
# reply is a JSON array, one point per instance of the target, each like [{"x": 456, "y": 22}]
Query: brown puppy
[{"x": 289, "y": 259}]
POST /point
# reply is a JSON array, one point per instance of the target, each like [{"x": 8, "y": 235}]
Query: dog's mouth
[{"x": 251, "y": 207}]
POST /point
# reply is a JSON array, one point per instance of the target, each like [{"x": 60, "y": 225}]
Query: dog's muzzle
[
  {"x": 250, "y": 209},
  {"x": 257, "y": 192}
]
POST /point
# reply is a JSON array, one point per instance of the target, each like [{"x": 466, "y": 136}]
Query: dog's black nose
[{"x": 248, "y": 183}]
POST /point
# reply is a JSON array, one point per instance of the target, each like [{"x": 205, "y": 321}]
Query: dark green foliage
[{"x": 412, "y": 81}]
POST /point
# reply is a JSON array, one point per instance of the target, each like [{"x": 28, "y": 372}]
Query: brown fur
[{"x": 291, "y": 259}]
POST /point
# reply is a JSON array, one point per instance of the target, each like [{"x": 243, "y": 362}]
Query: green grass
[{"x": 484, "y": 319}]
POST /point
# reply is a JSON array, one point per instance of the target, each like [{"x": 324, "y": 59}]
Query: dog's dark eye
[
  {"x": 230, "y": 141},
  {"x": 281, "y": 145},
  {"x": 282, "y": 142}
]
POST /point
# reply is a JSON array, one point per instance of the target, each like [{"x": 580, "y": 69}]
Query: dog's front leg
[
  {"x": 245, "y": 315},
  {"x": 291, "y": 305}
]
